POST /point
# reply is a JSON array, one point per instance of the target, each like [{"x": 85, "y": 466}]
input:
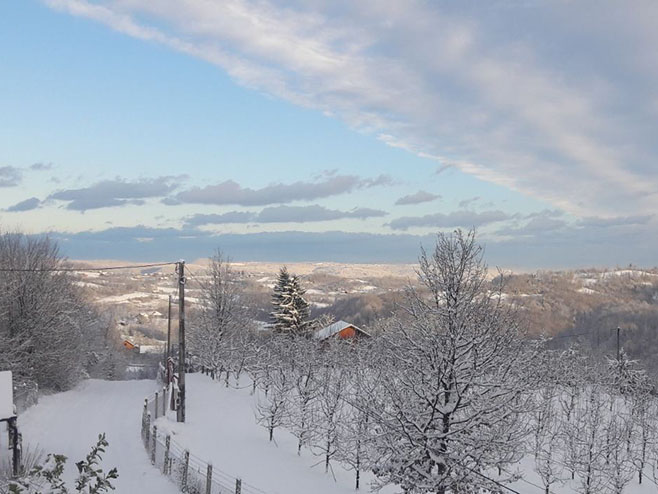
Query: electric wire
[{"x": 81, "y": 270}]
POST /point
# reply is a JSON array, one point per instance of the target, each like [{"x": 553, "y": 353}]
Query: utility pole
[
  {"x": 618, "y": 348},
  {"x": 168, "y": 370},
  {"x": 169, "y": 330},
  {"x": 180, "y": 415}
]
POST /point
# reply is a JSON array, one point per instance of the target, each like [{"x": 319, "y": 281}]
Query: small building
[
  {"x": 8, "y": 415},
  {"x": 340, "y": 330},
  {"x": 6, "y": 396}
]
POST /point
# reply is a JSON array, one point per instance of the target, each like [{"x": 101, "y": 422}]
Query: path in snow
[{"x": 69, "y": 423}]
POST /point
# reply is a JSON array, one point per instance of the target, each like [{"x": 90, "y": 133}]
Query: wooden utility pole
[
  {"x": 180, "y": 415},
  {"x": 168, "y": 331}
]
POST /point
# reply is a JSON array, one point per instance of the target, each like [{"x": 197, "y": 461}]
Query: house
[{"x": 340, "y": 330}]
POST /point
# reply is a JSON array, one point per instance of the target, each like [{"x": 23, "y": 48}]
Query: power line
[
  {"x": 499, "y": 484},
  {"x": 73, "y": 270},
  {"x": 570, "y": 335}
]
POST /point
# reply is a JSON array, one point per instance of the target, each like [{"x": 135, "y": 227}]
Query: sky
[{"x": 332, "y": 131}]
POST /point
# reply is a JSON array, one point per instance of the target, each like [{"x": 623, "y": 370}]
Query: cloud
[
  {"x": 283, "y": 214},
  {"x": 467, "y": 202},
  {"x": 111, "y": 193},
  {"x": 467, "y": 86},
  {"x": 417, "y": 198},
  {"x": 570, "y": 248},
  {"x": 543, "y": 225},
  {"x": 26, "y": 205},
  {"x": 10, "y": 176},
  {"x": 548, "y": 223},
  {"x": 168, "y": 244},
  {"x": 304, "y": 214},
  {"x": 41, "y": 166},
  {"x": 230, "y": 192},
  {"x": 219, "y": 219},
  {"x": 442, "y": 169},
  {"x": 593, "y": 221},
  {"x": 464, "y": 219}
]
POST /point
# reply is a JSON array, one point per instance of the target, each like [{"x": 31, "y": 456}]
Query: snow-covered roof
[
  {"x": 335, "y": 328},
  {"x": 6, "y": 396}
]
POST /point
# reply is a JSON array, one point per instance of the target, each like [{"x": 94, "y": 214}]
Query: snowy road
[{"x": 69, "y": 423}]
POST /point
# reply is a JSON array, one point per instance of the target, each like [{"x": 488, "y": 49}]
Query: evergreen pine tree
[{"x": 291, "y": 311}]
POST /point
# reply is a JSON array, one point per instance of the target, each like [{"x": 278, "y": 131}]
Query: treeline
[{"x": 50, "y": 334}]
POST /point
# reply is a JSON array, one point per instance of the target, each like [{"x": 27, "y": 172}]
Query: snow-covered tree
[
  {"x": 271, "y": 411},
  {"x": 547, "y": 436},
  {"x": 589, "y": 432},
  {"x": 455, "y": 375},
  {"x": 44, "y": 317},
  {"x": 356, "y": 428},
  {"x": 306, "y": 387},
  {"x": 291, "y": 312},
  {"x": 620, "y": 449},
  {"x": 221, "y": 320},
  {"x": 330, "y": 406}
]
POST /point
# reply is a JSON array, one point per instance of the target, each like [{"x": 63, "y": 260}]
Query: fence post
[
  {"x": 147, "y": 428},
  {"x": 209, "y": 479},
  {"x": 155, "y": 441},
  {"x": 238, "y": 486},
  {"x": 165, "y": 468},
  {"x": 164, "y": 400},
  {"x": 186, "y": 466},
  {"x": 15, "y": 440},
  {"x": 156, "y": 405},
  {"x": 146, "y": 401}
]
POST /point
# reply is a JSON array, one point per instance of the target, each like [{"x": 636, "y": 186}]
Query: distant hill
[{"x": 553, "y": 303}]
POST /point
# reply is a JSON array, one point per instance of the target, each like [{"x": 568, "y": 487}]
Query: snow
[
  {"x": 221, "y": 429},
  {"x": 6, "y": 395},
  {"x": 85, "y": 284},
  {"x": 129, "y": 296},
  {"x": 626, "y": 272},
  {"x": 151, "y": 348},
  {"x": 588, "y": 291},
  {"x": 69, "y": 423}
]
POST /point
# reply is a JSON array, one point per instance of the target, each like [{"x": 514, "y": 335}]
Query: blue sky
[{"x": 288, "y": 131}]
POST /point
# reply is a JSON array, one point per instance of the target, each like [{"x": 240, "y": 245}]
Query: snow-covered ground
[
  {"x": 221, "y": 429},
  {"x": 69, "y": 423}
]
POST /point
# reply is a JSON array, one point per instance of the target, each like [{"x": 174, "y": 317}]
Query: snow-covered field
[{"x": 221, "y": 429}]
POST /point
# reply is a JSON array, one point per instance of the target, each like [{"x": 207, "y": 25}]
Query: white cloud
[{"x": 463, "y": 85}]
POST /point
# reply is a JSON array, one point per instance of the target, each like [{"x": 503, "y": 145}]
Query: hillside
[{"x": 592, "y": 301}]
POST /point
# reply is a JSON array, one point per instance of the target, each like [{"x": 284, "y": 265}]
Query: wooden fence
[{"x": 192, "y": 474}]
